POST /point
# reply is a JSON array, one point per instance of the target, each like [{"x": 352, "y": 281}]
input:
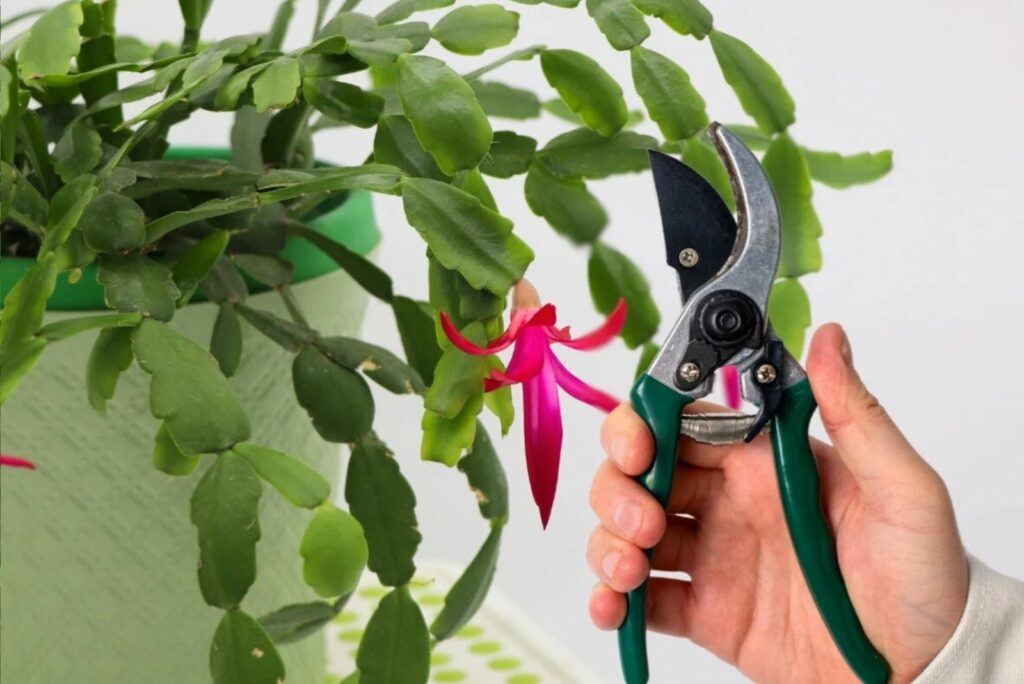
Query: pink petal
[
  {"x": 603, "y": 333},
  {"x": 580, "y": 390},
  {"x": 544, "y": 316},
  {"x": 493, "y": 383},
  {"x": 515, "y": 322},
  {"x": 730, "y": 378},
  {"x": 466, "y": 345},
  {"x": 542, "y": 424},
  {"x": 519, "y": 319},
  {"x": 556, "y": 334},
  {"x": 16, "y": 462},
  {"x": 527, "y": 357}
]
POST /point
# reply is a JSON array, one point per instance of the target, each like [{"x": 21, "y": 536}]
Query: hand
[{"x": 746, "y": 600}]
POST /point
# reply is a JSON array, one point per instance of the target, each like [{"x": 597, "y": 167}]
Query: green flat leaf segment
[
  {"x": 395, "y": 143},
  {"x": 343, "y": 101},
  {"x": 671, "y": 101},
  {"x": 786, "y": 167},
  {"x": 486, "y": 476},
  {"x": 415, "y": 322},
  {"x": 842, "y": 171},
  {"x": 613, "y": 276},
  {"x": 505, "y": 101},
  {"x": 474, "y": 29},
  {"x": 586, "y": 88},
  {"x": 66, "y": 208},
  {"x": 110, "y": 356},
  {"x": 77, "y": 151},
  {"x": 52, "y": 42},
  {"x": 133, "y": 282},
  {"x": 446, "y": 440},
  {"x": 382, "y": 501},
  {"x": 499, "y": 402},
  {"x": 113, "y": 222},
  {"x": 197, "y": 261},
  {"x": 225, "y": 511},
  {"x": 296, "y": 481},
  {"x": 277, "y": 84},
  {"x": 756, "y": 84},
  {"x": 620, "y": 21},
  {"x": 167, "y": 457},
  {"x": 225, "y": 342},
  {"x": 565, "y": 203},
  {"x": 583, "y": 153},
  {"x": 334, "y": 552},
  {"x": 510, "y": 155},
  {"x": 403, "y": 9},
  {"x": 369, "y": 276},
  {"x": 458, "y": 376},
  {"x": 395, "y": 648},
  {"x": 26, "y": 304},
  {"x": 242, "y": 652},
  {"x": 688, "y": 17},
  {"x": 699, "y": 155},
  {"x": 789, "y": 310},
  {"x": 63, "y": 329},
  {"x": 466, "y": 236},
  {"x": 444, "y": 113},
  {"x": 337, "y": 399},
  {"x": 379, "y": 364},
  {"x": 468, "y": 592},
  {"x": 296, "y": 621},
  {"x": 188, "y": 391}
]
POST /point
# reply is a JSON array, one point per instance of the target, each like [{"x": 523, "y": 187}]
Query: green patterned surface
[
  {"x": 99, "y": 555},
  {"x": 499, "y": 646}
]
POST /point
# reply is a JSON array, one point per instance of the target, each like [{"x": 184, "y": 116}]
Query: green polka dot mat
[{"x": 499, "y": 646}]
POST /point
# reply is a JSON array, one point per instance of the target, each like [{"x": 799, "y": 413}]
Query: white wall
[{"x": 922, "y": 269}]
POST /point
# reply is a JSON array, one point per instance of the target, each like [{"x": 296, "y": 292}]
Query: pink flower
[
  {"x": 730, "y": 378},
  {"x": 533, "y": 332},
  {"x": 15, "y": 462}
]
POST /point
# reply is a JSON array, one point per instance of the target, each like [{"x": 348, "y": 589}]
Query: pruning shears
[{"x": 726, "y": 267}]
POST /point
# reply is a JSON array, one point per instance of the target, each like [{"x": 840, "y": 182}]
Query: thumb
[{"x": 870, "y": 445}]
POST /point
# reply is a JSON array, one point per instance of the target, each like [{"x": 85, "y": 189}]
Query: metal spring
[{"x": 716, "y": 428}]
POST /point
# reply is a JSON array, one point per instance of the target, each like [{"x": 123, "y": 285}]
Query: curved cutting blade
[
  {"x": 749, "y": 267},
  {"x": 693, "y": 217},
  {"x": 755, "y": 260}
]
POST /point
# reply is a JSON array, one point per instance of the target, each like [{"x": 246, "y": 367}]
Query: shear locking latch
[{"x": 768, "y": 377}]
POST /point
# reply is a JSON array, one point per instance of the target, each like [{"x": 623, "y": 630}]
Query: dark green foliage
[{"x": 82, "y": 190}]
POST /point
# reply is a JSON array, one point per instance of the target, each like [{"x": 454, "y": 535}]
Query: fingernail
[
  {"x": 845, "y": 351},
  {"x": 618, "y": 450},
  {"x": 628, "y": 517},
  {"x": 610, "y": 562}
]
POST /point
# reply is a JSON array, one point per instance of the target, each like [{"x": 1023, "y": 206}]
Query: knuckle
[
  {"x": 861, "y": 408},
  {"x": 653, "y": 528},
  {"x": 868, "y": 408},
  {"x": 598, "y": 486}
]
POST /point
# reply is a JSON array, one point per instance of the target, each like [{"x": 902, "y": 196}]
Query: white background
[{"x": 922, "y": 269}]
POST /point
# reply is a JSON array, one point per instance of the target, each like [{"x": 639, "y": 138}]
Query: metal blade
[
  {"x": 753, "y": 265},
  {"x": 699, "y": 229}
]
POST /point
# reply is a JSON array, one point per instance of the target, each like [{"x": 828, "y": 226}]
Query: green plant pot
[{"x": 99, "y": 556}]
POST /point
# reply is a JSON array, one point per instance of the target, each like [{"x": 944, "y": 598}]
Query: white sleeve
[{"x": 988, "y": 644}]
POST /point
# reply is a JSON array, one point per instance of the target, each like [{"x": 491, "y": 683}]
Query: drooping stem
[{"x": 525, "y": 53}]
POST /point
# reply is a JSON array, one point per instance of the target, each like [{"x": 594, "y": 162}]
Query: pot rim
[{"x": 350, "y": 221}]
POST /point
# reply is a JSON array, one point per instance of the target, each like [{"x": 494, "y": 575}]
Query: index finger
[{"x": 627, "y": 440}]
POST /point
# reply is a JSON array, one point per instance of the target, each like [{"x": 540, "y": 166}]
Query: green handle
[
  {"x": 797, "y": 473},
  {"x": 660, "y": 407}
]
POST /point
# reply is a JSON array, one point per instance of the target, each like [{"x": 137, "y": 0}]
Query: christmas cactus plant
[{"x": 86, "y": 185}]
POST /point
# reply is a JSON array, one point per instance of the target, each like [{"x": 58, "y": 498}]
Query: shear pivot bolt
[
  {"x": 765, "y": 374},
  {"x": 689, "y": 257},
  {"x": 689, "y": 372}
]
